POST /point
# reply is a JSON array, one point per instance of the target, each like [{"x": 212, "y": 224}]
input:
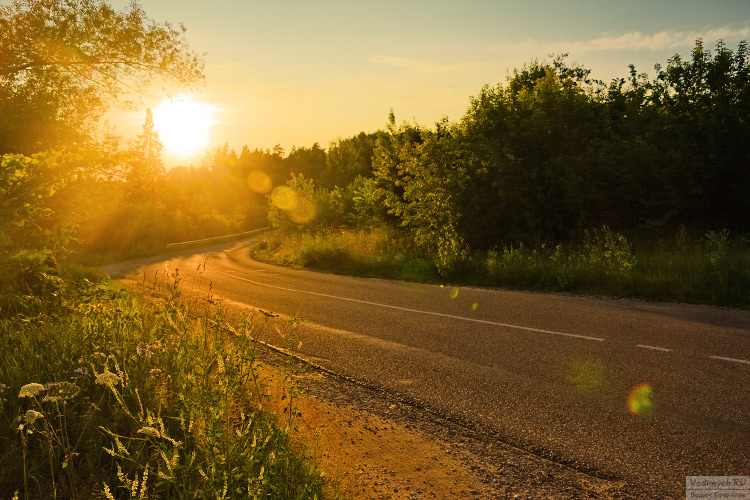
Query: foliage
[
  {"x": 705, "y": 104},
  {"x": 377, "y": 252},
  {"x": 347, "y": 159},
  {"x": 32, "y": 230},
  {"x": 103, "y": 396},
  {"x": 298, "y": 205},
  {"x": 63, "y": 61},
  {"x": 714, "y": 269},
  {"x": 307, "y": 162}
]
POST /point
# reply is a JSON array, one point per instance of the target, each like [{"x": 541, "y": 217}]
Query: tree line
[{"x": 553, "y": 152}]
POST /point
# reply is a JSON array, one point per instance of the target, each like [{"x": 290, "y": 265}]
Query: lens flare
[
  {"x": 640, "y": 400},
  {"x": 284, "y": 197},
  {"x": 474, "y": 306},
  {"x": 588, "y": 375},
  {"x": 299, "y": 207},
  {"x": 259, "y": 181},
  {"x": 304, "y": 210},
  {"x": 454, "y": 293}
]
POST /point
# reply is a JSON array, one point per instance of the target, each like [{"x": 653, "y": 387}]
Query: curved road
[{"x": 549, "y": 373}]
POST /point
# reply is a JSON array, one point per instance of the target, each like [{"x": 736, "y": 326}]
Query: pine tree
[{"x": 146, "y": 166}]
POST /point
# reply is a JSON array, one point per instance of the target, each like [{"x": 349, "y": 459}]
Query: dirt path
[
  {"x": 373, "y": 446},
  {"x": 373, "y": 458}
]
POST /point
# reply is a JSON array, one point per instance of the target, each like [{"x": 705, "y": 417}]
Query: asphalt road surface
[{"x": 646, "y": 393}]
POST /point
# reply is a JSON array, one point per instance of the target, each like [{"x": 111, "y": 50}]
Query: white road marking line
[
  {"x": 653, "y": 348},
  {"x": 405, "y": 309},
  {"x": 733, "y": 360}
]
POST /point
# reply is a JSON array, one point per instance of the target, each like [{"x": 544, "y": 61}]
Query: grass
[
  {"x": 373, "y": 253},
  {"x": 105, "y": 395},
  {"x": 714, "y": 269}
]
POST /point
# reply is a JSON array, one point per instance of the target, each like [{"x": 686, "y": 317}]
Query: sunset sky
[{"x": 299, "y": 72}]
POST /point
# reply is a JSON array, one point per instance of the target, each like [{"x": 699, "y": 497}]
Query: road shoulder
[{"x": 374, "y": 446}]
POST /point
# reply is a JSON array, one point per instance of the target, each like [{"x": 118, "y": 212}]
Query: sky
[{"x": 296, "y": 72}]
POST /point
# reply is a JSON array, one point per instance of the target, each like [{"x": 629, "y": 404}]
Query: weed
[{"x": 106, "y": 395}]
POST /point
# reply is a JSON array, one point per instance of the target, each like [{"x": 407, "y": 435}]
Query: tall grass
[
  {"x": 713, "y": 269},
  {"x": 377, "y": 253},
  {"x": 106, "y": 396}
]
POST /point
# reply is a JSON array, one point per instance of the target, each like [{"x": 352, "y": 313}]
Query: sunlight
[{"x": 184, "y": 125}]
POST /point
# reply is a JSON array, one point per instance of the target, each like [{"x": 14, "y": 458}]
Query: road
[{"x": 553, "y": 374}]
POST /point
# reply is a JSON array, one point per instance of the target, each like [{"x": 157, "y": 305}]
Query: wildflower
[
  {"x": 149, "y": 432},
  {"x": 61, "y": 391},
  {"x": 108, "y": 493},
  {"x": 82, "y": 370},
  {"x": 108, "y": 378},
  {"x": 32, "y": 415},
  {"x": 144, "y": 350},
  {"x": 30, "y": 390},
  {"x": 3, "y": 388}
]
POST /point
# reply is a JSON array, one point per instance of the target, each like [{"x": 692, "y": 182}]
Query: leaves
[{"x": 63, "y": 62}]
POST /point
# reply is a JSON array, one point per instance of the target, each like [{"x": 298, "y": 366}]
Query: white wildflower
[
  {"x": 149, "y": 432},
  {"x": 108, "y": 378},
  {"x": 144, "y": 350},
  {"x": 30, "y": 390},
  {"x": 61, "y": 391},
  {"x": 32, "y": 415}
]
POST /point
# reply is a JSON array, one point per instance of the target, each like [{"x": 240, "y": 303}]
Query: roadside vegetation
[
  {"x": 713, "y": 269},
  {"x": 553, "y": 181},
  {"x": 106, "y": 395}
]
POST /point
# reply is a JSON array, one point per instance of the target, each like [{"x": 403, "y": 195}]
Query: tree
[
  {"x": 63, "y": 63},
  {"x": 348, "y": 159},
  {"x": 704, "y": 103},
  {"x": 146, "y": 165},
  {"x": 529, "y": 156},
  {"x": 299, "y": 206},
  {"x": 309, "y": 162}
]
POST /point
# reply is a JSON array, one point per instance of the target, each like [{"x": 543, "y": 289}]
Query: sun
[{"x": 184, "y": 125}]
